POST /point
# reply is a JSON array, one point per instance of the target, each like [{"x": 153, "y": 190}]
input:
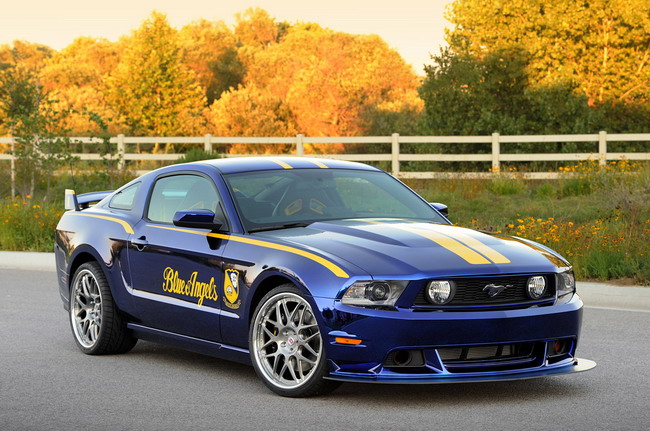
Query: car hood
[{"x": 387, "y": 248}]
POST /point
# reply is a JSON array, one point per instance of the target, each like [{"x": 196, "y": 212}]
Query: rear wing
[{"x": 81, "y": 202}]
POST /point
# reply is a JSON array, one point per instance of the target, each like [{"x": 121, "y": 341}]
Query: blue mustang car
[{"x": 315, "y": 272}]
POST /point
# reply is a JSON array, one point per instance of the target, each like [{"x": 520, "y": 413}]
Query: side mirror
[
  {"x": 442, "y": 208},
  {"x": 201, "y": 219}
]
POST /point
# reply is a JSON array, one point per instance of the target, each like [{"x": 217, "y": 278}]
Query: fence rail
[{"x": 495, "y": 142}]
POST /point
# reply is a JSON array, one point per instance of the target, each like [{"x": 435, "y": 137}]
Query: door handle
[{"x": 140, "y": 243}]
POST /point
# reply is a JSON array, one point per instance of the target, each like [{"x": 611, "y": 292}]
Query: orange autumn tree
[
  {"x": 251, "y": 111},
  {"x": 259, "y": 77},
  {"x": 76, "y": 78},
  {"x": 154, "y": 92},
  {"x": 328, "y": 79}
]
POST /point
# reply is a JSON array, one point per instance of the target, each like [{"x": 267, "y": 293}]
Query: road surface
[{"x": 47, "y": 383}]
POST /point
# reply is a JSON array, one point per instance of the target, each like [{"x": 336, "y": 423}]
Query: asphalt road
[{"x": 46, "y": 383}]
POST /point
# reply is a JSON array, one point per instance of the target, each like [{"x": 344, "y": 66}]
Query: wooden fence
[{"x": 495, "y": 142}]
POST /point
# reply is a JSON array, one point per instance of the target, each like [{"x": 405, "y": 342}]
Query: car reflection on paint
[{"x": 315, "y": 272}]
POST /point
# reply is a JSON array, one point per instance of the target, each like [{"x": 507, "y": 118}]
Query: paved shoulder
[
  {"x": 27, "y": 260},
  {"x": 612, "y": 296}
]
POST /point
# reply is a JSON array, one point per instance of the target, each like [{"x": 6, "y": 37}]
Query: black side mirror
[
  {"x": 200, "y": 219},
  {"x": 442, "y": 208}
]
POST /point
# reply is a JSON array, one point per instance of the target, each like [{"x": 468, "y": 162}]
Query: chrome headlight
[
  {"x": 374, "y": 293},
  {"x": 566, "y": 286}
]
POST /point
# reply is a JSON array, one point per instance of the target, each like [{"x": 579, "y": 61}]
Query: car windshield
[{"x": 297, "y": 197}]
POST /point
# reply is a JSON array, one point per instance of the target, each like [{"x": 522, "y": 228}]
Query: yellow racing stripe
[
  {"x": 285, "y": 165},
  {"x": 456, "y": 247},
  {"x": 466, "y": 240},
  {"x": 127, "y": 227},
  {"x": 320, "y": 164},
  {"x": 326, "y": 263},
  {"x": 477, "y": 245}
]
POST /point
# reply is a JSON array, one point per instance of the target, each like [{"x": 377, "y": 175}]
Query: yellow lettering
[{"x": 190, "y": 288}]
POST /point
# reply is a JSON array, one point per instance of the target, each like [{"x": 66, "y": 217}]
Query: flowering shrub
[
  {"x": 28, "y": 225},
  {"x": 598, "y": 217}
]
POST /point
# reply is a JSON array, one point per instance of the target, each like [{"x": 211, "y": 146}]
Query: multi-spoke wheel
[
  {"x": 96, "y": 325},
  {"x": 286, "y": 345}
]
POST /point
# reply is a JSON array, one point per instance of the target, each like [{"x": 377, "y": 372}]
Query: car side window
[
  {"x": 181, "y": 192},
  {"x": 125, "y": 198}
]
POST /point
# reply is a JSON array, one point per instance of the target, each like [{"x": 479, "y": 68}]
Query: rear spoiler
[{"x": 81, "y": 202}]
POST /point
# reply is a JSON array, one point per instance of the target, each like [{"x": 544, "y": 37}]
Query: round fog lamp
[
  {"x": 440, "y": 292},
  {"x": 536, "y": 287}
]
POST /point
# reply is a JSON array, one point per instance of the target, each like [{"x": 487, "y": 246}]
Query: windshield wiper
[{"x": 278, "y": 227}]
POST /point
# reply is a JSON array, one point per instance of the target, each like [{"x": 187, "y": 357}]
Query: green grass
[
  {"x": 597, "y": 218},
  {"x": 27, "y": 225}
]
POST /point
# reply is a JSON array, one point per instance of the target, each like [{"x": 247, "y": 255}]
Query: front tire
[
  {"x": 286, "y": 346},
  {"x": 97, "y": 327}
]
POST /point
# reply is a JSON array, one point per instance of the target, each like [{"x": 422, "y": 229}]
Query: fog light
[
  {"x": 559, "y": 347},
  {"x": 536, "y": 287},
  {"x": 440, "y": 292}
]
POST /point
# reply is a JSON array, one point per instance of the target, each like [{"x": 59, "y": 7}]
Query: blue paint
[{"x": 365, "y": 249}]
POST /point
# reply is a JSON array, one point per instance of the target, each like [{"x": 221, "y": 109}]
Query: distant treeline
[{"x": 514, "y": 67}]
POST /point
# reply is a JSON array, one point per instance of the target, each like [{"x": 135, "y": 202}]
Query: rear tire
[
  {"x": 97, "y": 327},
  {"x": 286, "y": 346}
]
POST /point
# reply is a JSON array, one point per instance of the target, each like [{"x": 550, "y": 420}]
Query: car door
[{"x": 177, "y": 273}]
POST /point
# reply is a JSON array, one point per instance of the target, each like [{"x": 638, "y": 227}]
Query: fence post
[
  {"x": 207, "y": 143},
  {"x": 13, "y": 168},
  {"x": 300, "y": 145},
  {"x": 602, "y": 148},
  {"x": 394, "y": 151},
  {"x": 121, "y": 150},
  {"x": 496, "y": 153}
]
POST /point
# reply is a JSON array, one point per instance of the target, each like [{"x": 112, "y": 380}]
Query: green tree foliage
[
  {"x": 600, "y": 45},
  {"x": 42, "y": 145},
  {"x": 466, "y": 96},
  {"x": 152, "y": 89},
  {"x": 19, "y": 96},
  {"x": 209, "y": 48},
  {"x": 20, "y": 63}
]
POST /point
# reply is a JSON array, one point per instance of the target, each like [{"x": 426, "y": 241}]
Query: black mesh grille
[
  {"x": 464, "y": 359},
  {"x": 473, "y": 292}
]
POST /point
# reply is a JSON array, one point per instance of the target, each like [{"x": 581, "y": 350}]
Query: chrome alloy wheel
[
  {"x": 287, "y": 345},
  {"x": 86, "y": 308}
]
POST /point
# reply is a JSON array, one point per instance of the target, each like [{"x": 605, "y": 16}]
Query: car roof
[{"x": 249, "y": 164}]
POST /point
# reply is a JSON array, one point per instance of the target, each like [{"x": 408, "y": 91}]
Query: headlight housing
[
  {"x": 566, "y": 286},
  {"x": 374, "y": 293}
]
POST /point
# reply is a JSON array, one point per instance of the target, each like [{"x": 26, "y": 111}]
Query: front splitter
[{"x": 579, "y": 365}]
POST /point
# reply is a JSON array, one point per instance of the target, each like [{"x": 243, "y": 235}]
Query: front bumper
[
  {"x": 576, "y": 366},
  {"x": 527, "y": 336}
]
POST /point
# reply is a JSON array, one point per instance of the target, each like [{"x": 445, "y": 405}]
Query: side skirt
[{"x": 197, "y": 345}]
